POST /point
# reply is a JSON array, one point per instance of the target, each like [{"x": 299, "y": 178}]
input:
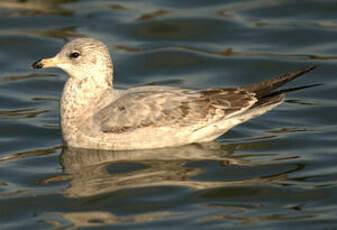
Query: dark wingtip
[
  {"x": 37, "y": 65},
  {"x": 298, "y": 73},
  {"x": 266, "y": 87},
  {"x": 309, "y": 68},
  {"x": 283, "y": 91}
]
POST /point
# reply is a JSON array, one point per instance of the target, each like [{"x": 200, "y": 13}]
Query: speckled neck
[{"x": 79, "y": 97}]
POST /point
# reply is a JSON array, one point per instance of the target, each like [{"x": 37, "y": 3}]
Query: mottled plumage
[
  {"x": 175, "y": 108},
  {"x": 94, "y": 115}
]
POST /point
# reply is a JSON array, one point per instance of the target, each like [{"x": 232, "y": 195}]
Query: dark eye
[{"x": 74, "y": 55}]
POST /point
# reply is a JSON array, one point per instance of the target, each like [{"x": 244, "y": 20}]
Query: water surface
[{"x": 274, "y": 172}]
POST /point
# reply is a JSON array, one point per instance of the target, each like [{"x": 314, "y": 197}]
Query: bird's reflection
[{"x": 94, "y": 172}]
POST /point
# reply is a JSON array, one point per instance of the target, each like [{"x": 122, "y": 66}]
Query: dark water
[{"x": 275, "y": 172}]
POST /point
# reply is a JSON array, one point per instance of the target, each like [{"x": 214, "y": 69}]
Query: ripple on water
[{"x": 277, "y": 171}]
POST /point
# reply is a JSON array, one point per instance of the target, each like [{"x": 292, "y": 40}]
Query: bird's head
[{"x": 80, "y": 58}]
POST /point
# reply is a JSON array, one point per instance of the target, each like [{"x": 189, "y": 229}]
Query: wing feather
[{"x": 172, "y": 108}]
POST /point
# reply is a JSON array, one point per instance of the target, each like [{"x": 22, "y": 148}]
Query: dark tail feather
[
  {"x": 266, "y": 87},
  {"x": 283, "y": 91},
  {"x": 278, "y": 96}
]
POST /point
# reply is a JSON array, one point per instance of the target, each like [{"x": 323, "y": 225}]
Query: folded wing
[{"x": 173, "y": 108}]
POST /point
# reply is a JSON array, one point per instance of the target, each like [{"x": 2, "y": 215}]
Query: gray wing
[{"x": 172, "y": 108}]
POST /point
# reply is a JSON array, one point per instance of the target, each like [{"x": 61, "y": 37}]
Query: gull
[{"x": 94, "y": 115}]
